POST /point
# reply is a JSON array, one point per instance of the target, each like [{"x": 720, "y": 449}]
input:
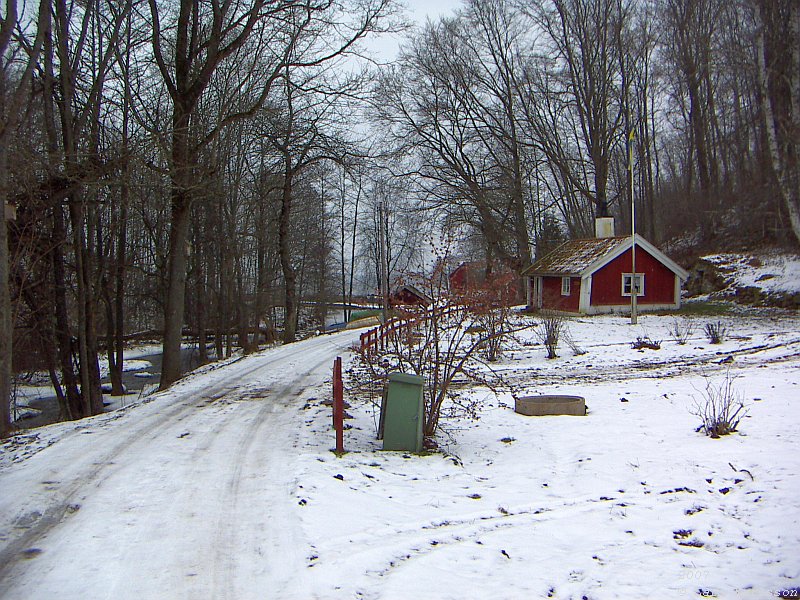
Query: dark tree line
[
  {"x": 517, "y": 115},
  {"x": 204, "y": 165},
  {"x": 166, "y": 161}
]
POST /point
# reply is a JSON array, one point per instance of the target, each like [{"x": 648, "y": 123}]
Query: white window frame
[
  {"x": 566, "y": 286},
  {"x": 626, "y": 284}
]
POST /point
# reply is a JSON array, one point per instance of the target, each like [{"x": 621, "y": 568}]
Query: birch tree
[{"x": 779, "y": 83}]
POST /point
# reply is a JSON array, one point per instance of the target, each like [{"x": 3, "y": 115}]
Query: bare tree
[
  {"x": 693, "y": 30},
  {"x": 205, "y": 35},
  {"x": 778, "y": 55},
  {"x": 13, "y": 87},
  {"x": 451, "y": 107},
  {"x": 580, "y": 82}
]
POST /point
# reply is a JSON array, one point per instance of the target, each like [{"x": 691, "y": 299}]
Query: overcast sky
[
  {"x": 418, "y": 12},
  {"x": 432, "y": 8}
]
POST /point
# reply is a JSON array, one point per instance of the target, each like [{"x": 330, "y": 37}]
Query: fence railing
[{"x": 376, "y": 337}]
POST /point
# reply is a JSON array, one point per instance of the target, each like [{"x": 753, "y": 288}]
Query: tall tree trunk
[
  {"x": 199, "y": 274},
  {"x": 181, "y": 180},
  {"x": 117, "y": 337},
  {"x": 782, "y": 129},
  {"x": 10, "y": 106},
  {"x": 91, "y": 404},
  {"x": 176, "y": 291},
  {"x": 63, "y": 332},
  {"x": 6, "y": 324},
  {"x": 119, "y": 292},
  {"x": 284, "y": 246},
  {"x": 523, "y": 242},
  {"x": 349, "y": 299}
]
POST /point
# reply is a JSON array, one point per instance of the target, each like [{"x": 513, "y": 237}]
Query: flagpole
[{"x": 634, "y": 288}]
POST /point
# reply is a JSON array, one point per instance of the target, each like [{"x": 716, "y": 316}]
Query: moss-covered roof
[{"x": 574, "y": 256}]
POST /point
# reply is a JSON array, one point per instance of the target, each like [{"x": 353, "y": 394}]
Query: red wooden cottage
[{"x": 595, "y": 276}]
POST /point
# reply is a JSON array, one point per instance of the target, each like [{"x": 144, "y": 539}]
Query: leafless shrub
[
  {"x": 715, "y": 332},
  {"x": 446, "y": 342},
  {"x": 494, "y": 328},
  {"x": 644, "y": 342},
  {"x": 681, "y": 330},
  {"x": 721, "y": 408},
  {"x": 576, "y": 348},
  {"x": 552, "y": 324}
]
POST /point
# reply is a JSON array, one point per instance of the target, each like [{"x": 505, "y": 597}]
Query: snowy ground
[
  {"x": 226, "y": 487},
  {"x": 775, "y": 272}
]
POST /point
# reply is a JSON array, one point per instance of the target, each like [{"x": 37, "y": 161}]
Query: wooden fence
[{"x": 376, "y": 337}]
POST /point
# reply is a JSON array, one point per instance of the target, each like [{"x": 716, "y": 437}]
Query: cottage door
[{"x": 538, "y": 286}]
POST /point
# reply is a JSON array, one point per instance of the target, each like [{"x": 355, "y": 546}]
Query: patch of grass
[
  {"x": 704, "y": 308},
  {"x": 363, "y": 314}
]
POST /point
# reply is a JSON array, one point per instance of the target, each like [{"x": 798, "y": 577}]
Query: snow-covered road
[{"x": 186, "y": 496}]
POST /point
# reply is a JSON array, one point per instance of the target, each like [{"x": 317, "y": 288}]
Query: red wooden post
[{"x": 338, "y": 404}]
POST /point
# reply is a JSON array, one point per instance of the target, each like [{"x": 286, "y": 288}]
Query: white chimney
[{"x": 604, "y": 227}]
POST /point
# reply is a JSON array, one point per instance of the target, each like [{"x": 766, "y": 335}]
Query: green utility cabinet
[{"x": 402, "y": 413}]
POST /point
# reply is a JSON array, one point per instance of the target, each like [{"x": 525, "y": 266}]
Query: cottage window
[
  {"x": 627, "y": 279},
  {"x": 565, "y": 286}
]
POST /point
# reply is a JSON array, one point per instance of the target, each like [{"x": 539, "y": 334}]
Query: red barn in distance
[
  {"x": 595, "y": 276},
  {"x": 409, "y": 295},
  {"x": 471, "y": 276}
]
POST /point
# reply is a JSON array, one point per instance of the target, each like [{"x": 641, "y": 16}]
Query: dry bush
[
  {"x": 552, "y": 325},
  {"x": 576, "y": 348},
  {"x": 681, "y": 330},
  {"x": 447, "y": 341},
  {"x": 721, "y": 408},
  {"x": 490, "y": 305},
  {"x": 715, "y": 332},
  {"x": 644, "y": 342}
]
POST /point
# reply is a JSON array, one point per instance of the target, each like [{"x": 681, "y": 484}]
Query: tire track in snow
[
  {"x": 126, "y": 436},
  {"x": 228, "y": 538}
]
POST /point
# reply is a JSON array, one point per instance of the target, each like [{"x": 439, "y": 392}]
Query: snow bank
[
  {"x": 627, "y": 502},
  {"x": 226, "y": 486},
  {"x": 771, "y": 272}
]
